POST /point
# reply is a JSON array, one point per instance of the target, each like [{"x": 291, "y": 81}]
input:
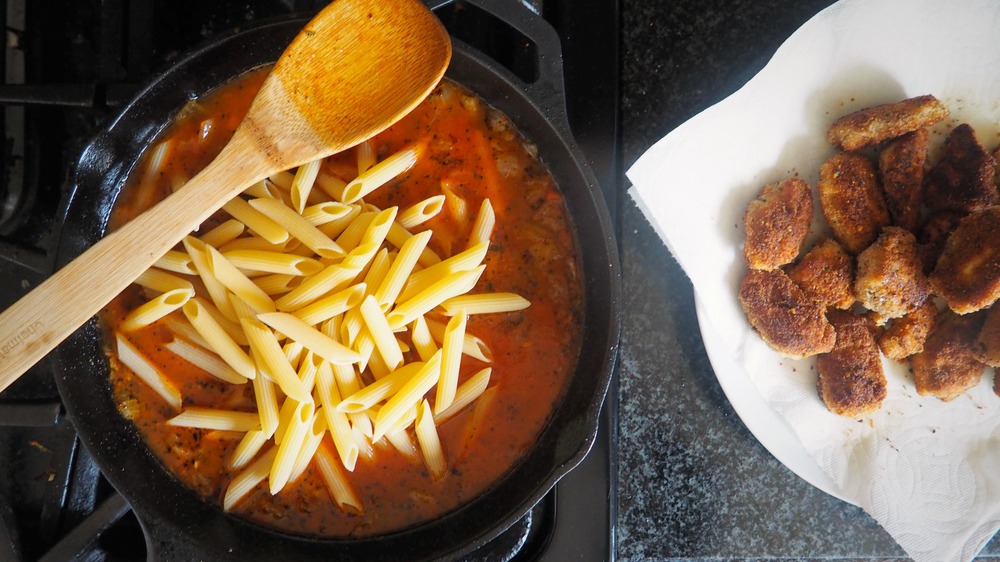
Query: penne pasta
[
  {"x": 147, "y": 372},
  {"x": 400, "y": 270},
  {"x": 397, "y": 236},
  {"x": 333, "y": 305},
  {"x": 314, "y": 437},
  {"x": 217, "y": 293},
  {"x": 484, "y": 303},
  {"x": 256, "y": 221},
  {"x": 332, "y": 278},
  {"x": 420, "y": 212},
  {"x": 242, "y": 287},
  {"x": 179, "y": 326},
  {"x": 456, "y": 205},
  {"x": 269, "y": 353},
  {"x": 378, "y": 327},
  {"x": 151, "y": 311},
  {"x": 463, "y": 261},
  {"x": 267, "y": 405},
  {"x": 380, "y": 390},
  {"x": 277, "y": 284},
  {"x": 336, "y": 421},
  {"x": 482, "y": 228},
  {"x": 223, "y": 234},
  {"x": 247, "y": 480},
  {"x": 424, "y": 301},
  {"x": 355, "y": 231},
  {"x": 451, "y": 357},
  {"x": 273, "y": 262},
  {"x": 205, "y": 360},
  {"x": 420, "y": 335},
  {"x": 178, "y": 262},
  {"x": 467, "y": 392},
  {"x": 430, "y": 443},
  {"x": 264, "y": 188},
  {"x": 299, "y": 423},
  {"x": 298, "y": 227},
  {"x": 379, "y": 174},
  {"x": 402, "y": 401},
  {"x": 331, "y": 185},
  {"x": 326, "y": 212},
  {"x": 336, "y": 482},
  {"x": 247, "y": 449},
  {"x": 365, "y": 155},
  {"x": 314, "y": 340},
  {"x": 471, "y": 345},
  {"x": 161, "y": 281},
  {"x": 209, "y": 418},
  {"x": 400, "y": 439},
  {"x": 302, "y": 184},
  {"x": 218, "y": 340}
]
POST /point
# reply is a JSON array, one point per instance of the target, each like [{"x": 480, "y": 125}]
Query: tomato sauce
[{"x": 477, "y": 153}]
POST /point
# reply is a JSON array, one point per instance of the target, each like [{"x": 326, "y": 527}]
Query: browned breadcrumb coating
[
  {"x": 934, "y": 234},
  {"x": 947, "y": 366},
  {"x": 890, "y": 278},
  {"x": 851, "y": 381},
  {"x": 988, "y": 341},
  {"x": 906, "y": 335},
  {"x": 777, "y": 223},
  {"x": 962, "y": 178},
  {"x": 967, "y": 274},
  {"x": 826, "y": 274},
  {"x": 784, "y": 317},
  {"x": 851, "y": 200},
  {"x": 873, "y": 125},
  {"x": 901, "y": 167}
]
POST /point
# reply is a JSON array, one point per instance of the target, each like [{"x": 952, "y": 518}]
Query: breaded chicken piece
[
  {"x": 883, "y": 122},
  {"x": 987, "y": 346},
  {"x": 967, "y": 275},
  {"x": 826, "y": 274},
  {"x": 784, "y": 317},
  {"x": 851, "y": 381},
  {"x": 962, "y": 178},
  {"x": 851, "y": 200},
  {"x": 934, "y": 234},
  {"x": 901, "y": 167},
  {"x": 890, "y": 278},
  {"x": 906, "y": 335},
  {"x": 777, "y": 223},
  {"x": 947, "y": 366}
]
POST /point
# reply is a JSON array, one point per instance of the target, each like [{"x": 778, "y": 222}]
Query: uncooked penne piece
[
  {"x": 256, "y": 221},
  {"x": 397, "y": 236},
  {"x": 131, "y": 357},
  {"x": 161, "y": 281},
  {"x": 298, "y": 227},
  {"x": 335, "y": 480},
  {"x": 333, "y": 305},
  {"x": 400, "y": 269},
  {"x": 484, "y": 303},
  {"x": 380, "y": 390},
  {"x": 471, "y": 345},
  {"x": 217, "y": 292},
  {"x": 355, "y": 231},
  {"x": 247, "y": 449},
  {"x": 267, "y": 404},
  {"x": 400, "y": 439},
  {"x": 467, "y": 392},
  {"x": 451, "y": 358},
  {"x": 178, "y": 262},
  {"x": 241, "y": 286},
  {"x": 295, "y": 433},
  {"x": 277, "y": 284},
  {"x": 326, "y": 212},
  {"x": 424, "y": 301},
  {"x": 223, "y": 234},
  {"x": 364, "y": 152},
  {"x": 205, "y": 360},
  {"x": 247, "y": 480},
  {"x": 314, "y": 340},
  {"x": 331, "y": 185},
  {"x": 482, "y": 228},
  {"x": 379, "y": 174},
  {"x": 309, "y": 445},
  {"x": 151, "y": 311},
  {"x": 397, "y": 406},
  {"x": 462, "y": 261},
  {"x": 302, "y": 184},
  {"x": 273, "y": 262},
  {"x": 336, "y": 421},
  {"x": 332, "y": 278},
  {"x": 430, "y": 443},
  {"x": 378, "y": 327},
  {"x": 420, "y": 335},
  {"x": 268, "y": 351},
  {"x": 420, "y": 212},
  {"x": 211, "y": 418},
  {"x": 218, "y": 340}
]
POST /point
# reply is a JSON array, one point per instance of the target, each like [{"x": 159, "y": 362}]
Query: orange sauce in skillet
[{"x": 478, "y": 153}]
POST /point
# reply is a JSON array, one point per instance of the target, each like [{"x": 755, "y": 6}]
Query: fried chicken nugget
[
  {"x": 851, "y": 200},
  {"x": 962, "y": 178},
  {"x": 851, "y": 381},
  {"x": 785, "y": 318},
  {"x": 907, "y": 335},
  {"x": 934, "y": 234},
  {"x": 777, "y": 223},
  {"x": 987, "y": 346},
  {"x": 880, "y": 123},
  {"x": 826, "y": 274},
  {"x": 890, "y": 279},
  {"x": 967, "y": 274},
  {"x": 947, "y": 366},
  {"x": 901, "y": 167}
]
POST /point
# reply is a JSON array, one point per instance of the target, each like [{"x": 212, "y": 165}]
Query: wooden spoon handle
[{"x": 43, "y": 318}]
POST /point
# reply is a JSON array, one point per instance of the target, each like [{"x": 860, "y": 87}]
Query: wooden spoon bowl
[{"x": 354, "y": 70}]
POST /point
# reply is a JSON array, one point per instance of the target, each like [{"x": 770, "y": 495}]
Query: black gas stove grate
[{"x": 67, "y": 65}]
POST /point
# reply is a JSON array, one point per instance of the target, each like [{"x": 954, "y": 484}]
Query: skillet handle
[{"x": 548, "y": 91}]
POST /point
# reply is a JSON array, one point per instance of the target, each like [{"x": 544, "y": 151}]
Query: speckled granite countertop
[{"x": 693, "y": 482}]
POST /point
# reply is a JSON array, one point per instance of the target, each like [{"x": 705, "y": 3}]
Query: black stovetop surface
[{"x": 68, "y": 65}]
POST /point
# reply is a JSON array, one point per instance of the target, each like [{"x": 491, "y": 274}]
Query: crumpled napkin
[{"x": 926, "y": 470}]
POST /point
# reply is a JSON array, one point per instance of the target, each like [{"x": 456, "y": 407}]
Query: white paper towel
[{"x": 928, "y": 471}]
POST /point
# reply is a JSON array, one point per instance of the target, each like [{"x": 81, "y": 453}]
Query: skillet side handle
[{"x": 548, "y": 91}]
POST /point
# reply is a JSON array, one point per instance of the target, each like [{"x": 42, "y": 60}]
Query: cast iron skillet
[{"x": 175, "y": 517}]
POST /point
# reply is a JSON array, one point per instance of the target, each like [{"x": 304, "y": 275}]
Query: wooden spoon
[{"x": 354, "y": 70}]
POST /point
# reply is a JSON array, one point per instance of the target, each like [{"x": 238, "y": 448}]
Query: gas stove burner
[{"x": 67, "y": 65}]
